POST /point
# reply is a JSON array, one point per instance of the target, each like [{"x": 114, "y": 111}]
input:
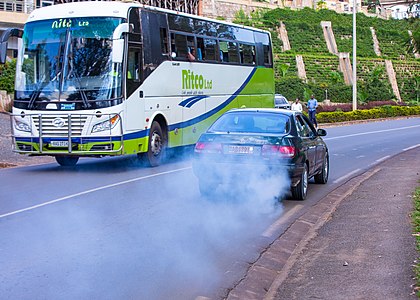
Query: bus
[{"x": 120, "y": 78}]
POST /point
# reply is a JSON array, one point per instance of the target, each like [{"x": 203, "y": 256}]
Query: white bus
[{"x": 110, "y": 78}]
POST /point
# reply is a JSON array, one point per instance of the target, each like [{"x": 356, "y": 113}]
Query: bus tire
[
  {"x": 157, "y": 145},
  {"x": 67, "y": 161}
]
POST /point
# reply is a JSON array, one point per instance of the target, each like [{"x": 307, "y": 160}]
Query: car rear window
[
  {"x": 254, "y": 122},
  {"x": 280, "y": 100}
]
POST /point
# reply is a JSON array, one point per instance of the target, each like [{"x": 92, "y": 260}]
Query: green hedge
[
  {"x": 375, "y": 113},
  {"x": 415, "y": 216},
  {"x": 7, "y": 76}
]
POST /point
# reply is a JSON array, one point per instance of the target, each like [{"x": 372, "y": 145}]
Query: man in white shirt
[{"x": 296, "y": 105}]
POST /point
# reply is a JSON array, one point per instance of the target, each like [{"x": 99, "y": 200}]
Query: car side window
[
  {"x": 302, "y": 127},
  {"x": 311, "y": 128}
]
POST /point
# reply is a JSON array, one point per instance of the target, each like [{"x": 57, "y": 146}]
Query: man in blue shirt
[{"x": 312, "y": 105}]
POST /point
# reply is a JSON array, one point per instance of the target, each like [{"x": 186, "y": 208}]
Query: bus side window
[
  {"x": 267, "y": 56},
  {"x": 200, "y": 48},
  {"x": 247, "y": 53},
  {"x": 173, "y": 47},
  {"x": 233, "y": 52},
  {"x": 133, "y": 70},
  {"x": 134, "y": 20},
  {"x": 191, "y": 46},
  {"x": 210, "y": 50},
  {"x": 164, "y": 41},
  {"x": 223, "y": 46},
  {"x": 181, "y": 47}
]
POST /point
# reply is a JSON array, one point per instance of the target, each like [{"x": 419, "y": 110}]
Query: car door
[
  {"x": 308, "y": 142},
  {"x": 321, "y": 148}
]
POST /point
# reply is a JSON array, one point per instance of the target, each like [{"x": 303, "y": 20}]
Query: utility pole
[{"x": 354, "y": 57}]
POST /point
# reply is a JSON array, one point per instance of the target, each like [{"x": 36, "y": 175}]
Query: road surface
[{"x": 113, "y": 229}]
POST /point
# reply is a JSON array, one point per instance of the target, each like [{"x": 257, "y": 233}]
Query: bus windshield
[{"x": 67, "y": 64}]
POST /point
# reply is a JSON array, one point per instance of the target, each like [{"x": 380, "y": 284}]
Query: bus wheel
[
  {"x": 157, "y": 146},
  {"x": 67, "y": 161}
]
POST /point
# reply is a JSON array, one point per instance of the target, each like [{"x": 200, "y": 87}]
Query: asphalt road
[{"x": 112, "y": 229}]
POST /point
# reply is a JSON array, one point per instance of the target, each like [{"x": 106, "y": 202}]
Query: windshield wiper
[
  {"x": 71, "y": 71},
  {"x": 85, "y": 99},
  {"x": 35, "y": 94}
]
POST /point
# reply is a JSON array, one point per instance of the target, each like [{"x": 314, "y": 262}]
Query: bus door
[
  {"x": 134, "y": 104},
  {"x": 160, "y": 95}
]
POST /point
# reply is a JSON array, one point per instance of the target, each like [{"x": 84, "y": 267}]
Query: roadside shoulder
[{"x": 286, "y": 267}]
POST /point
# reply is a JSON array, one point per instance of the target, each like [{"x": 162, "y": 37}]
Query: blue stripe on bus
[
  {"x": 77, "y": 140},
  {"x": 214, "y": 110},
  {"x": 188, "y": 100},
  {"x": 192, "y": 102}
]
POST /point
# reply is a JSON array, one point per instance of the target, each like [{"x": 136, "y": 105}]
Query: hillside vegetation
[{"x": 323, "y": 77}]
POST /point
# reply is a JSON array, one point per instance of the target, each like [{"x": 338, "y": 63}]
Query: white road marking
[
  {"x": 90, "y": 191},
  {"x": 369, "y": 132},
  {"x": 412, "y": 147},
  {"x": 382, "y": 158},
  {"x": 361, "y": 156},
  {"x": 346, "y": 176},
  {"x": 283, "y": 218}
]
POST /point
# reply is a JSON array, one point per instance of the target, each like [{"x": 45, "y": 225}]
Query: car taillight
[
  {"x": 203, "y": 147},
  {"x": 283, "y": 151}
]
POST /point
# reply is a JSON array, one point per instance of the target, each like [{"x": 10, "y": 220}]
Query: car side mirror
[{"x": 321, "y": 132}]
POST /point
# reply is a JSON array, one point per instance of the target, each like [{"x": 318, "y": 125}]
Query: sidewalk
[
  {"x": 356, "y": 243},
  {"x": 10, "y": 159},
  {"x": 366, "y": 251}
]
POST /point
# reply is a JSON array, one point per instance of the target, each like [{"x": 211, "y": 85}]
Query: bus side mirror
[
  {"x": 117, "y": 51},
  {"x": 3, "y": 51},
  {"x": 118, "y": 42},
  {"x": 4, "y": 41}
]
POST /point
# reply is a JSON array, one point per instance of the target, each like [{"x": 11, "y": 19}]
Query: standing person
[
  {"x": 312, "y": 105},
  {"x": 296, "y": 106}
]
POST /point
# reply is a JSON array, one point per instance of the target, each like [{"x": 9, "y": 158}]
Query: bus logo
[
  {"x": 58, "y": 122},
  {"x": 191, "y": 81}
]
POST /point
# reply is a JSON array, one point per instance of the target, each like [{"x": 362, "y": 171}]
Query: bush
[
  {"x": 374, "y": 113},
  {"x": 290, "y": 87},
  {"x": 346, "y": 107},
  {"x": 7, "y": 76}
]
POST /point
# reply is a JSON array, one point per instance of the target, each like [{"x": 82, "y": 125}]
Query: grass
[{"x": 416, "y": 230}]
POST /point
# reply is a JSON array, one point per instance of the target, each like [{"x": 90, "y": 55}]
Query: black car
[{"x": 278, "y": 139}]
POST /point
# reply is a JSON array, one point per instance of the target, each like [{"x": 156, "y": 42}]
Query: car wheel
[
  {"x": 299, "y": 191},
  {"x": 157, "y": 146},
  {"x": 67, "y": 161},
  {"x": 322, "y": 177}
]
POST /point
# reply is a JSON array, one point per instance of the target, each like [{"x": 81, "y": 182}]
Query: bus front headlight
[
  {"x": 22, "y": 126},
  {"x": 106, "y": 125}
]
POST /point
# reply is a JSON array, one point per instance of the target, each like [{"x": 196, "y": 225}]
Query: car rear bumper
[{"x": 230, "y": 171}]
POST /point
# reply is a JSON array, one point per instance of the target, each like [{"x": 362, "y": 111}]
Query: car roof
[{"x": 267, "y": 110}]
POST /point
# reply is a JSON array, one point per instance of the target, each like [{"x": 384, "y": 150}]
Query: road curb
[{"x": 265, "y": 275}]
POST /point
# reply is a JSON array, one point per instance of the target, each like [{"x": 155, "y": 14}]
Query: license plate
[
  {"x": 59, "y": 143},
  {"x": 236, "y": 149}
]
